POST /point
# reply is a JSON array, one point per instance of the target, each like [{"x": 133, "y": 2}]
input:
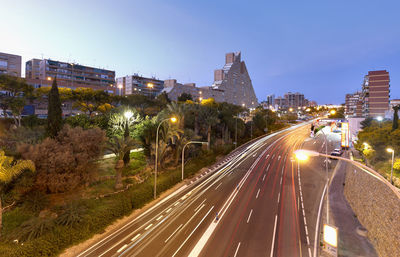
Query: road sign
[
  {"x": 330, "y": 239},
  {"x": 345, "y": 135}
]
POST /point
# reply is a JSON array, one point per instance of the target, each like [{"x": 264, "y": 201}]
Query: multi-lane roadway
[{"x": 257, "y": 202}]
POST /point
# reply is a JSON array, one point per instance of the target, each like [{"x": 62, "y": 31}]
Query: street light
[
  {"x": 183, "y": 152},
  {"x": 173, "y": 120},
  {"x": 290, "y": 109},
  {"x": 151, "y": 86},
  {"x": 390, "y": 150},
  {"x": 379, "y": 118},
  {"x": 332, "y": 112},
  {"x": 120, "y": 89},
  {"x": 236, "y": 117},
  {"x": 128, "y": 114}
]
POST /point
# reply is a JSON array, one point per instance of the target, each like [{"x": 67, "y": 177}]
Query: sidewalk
[{"x": 350, "y": 242}]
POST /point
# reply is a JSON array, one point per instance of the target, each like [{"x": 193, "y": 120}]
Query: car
[{"x": 336, "y": 152}]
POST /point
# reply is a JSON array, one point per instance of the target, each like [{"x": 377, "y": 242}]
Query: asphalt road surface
[{"x": 256, "y": 202}]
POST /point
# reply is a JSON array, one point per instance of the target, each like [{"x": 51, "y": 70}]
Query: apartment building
[
  {"x": 135, "y": 84},
  {"x": 10, "y": 64},
  {"x": 42, "y": 72},
  {"x": 375, "y": 93}
]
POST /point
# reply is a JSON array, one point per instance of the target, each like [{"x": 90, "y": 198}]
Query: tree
[
  {"x": 66, "y": 162},
  {"x": 395, "y": 117},
  {"x": 209, "y": 118},
  {"x": 120, "y": 147},
  {"x": 54, "y": 112},
  {"x": 89, "y": 100},
  {"x": 14, "y": 96},
  {"x": 10, "y": 169},
  {"x": 177, "y": 110},
  {"x": 184, "y": 97}
]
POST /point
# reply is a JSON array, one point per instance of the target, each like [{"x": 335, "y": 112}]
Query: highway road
[{"x": 255, "y": 202}]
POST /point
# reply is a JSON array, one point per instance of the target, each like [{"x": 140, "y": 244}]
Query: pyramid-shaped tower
[{"x": 234, "y": 80}]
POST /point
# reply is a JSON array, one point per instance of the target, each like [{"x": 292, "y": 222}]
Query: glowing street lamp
[
  {"x": 290, "y": 109},
  {"x": 379, "y": 118},
  {"x": 390, "y": 150},
  {"x": 172, "y": 120},
  {"x": 120, "y": 88},
  {"x": 128, "y": 114},
  {"x": 332, "y": 112},
  {"x": 48, "y": 78}
]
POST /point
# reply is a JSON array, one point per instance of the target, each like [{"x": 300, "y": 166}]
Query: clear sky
[{"x": 318, "y": 47}]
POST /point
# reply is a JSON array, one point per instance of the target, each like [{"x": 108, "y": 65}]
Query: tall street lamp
[
  {"x": 173, "y": 120},
  {"x": 151, "y": 86},
  {"x": 390, "y": 150},
  {"x": 183, "y": 153},
  {"x": 379, "y": 119},
  {"x": 236, "y": 117},
  {"x": 120, "y": 89}
]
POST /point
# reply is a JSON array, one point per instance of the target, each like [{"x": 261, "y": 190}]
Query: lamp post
[
  {"x": 380, "y": 119},
  {"x": 151, "y": 86},
  {"x": 390, "y": 150},
  {"x": 120, "y": 89},
  {"x": 183, "y": 153},
  {"x": 236, "y": 117},
  {"x": 173, "y": 120}
]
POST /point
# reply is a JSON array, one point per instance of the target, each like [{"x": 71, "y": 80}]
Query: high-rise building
[
  {"x": 234, "y": 80},
  {"x": 42, "y": 72},
  {"x": 353, "y": 105},
  {"x": 10, "y": 64},
  {"x": 294, "y": 100},
  {"x": 232, "y": 84},
  {"x": 135, "y": 84},
  {"x": 270, "y": 100},
  {"x": 375, "y": 93}
]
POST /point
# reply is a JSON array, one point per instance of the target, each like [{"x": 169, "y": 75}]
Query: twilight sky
[{"x": 320, "y": 48}]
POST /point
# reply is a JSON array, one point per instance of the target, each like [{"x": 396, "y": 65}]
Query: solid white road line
[
  {"x": 317, "y": 224},
  {"x": 248, "y": 219},
  {"x": 257, "y": 193},
  {"x": 173, "y": 233},
  {"x": 149, "y": 226},
  {"x": 159, "y": 218},
  {"x": 218, "y": 186},
  {"x": 135, "y": 237},
  {"x": 122, "y": 248},
  {"x": 193, "y": 231},
  {"x": 237, "y": 250},
  {"x": 273, "y": 236},
  {"x": 199, "y": 205}
]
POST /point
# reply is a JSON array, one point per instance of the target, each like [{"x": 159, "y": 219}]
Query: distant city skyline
[{"x": 322, "y": 50}]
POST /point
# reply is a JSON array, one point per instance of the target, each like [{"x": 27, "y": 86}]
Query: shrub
[
  {"x": 73, "y": 214},
  {"x": 67, "y": 161},
  {"x": 36, "y": 201},
  {"x": 34, "y": 228}
]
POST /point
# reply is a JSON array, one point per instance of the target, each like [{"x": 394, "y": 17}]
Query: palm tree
[
  {"x": 120, "y": 147},
  {"x": 177, "y": 110},
  {"x": 10, "y": 169},
  {"x": 209, "y": 117}
]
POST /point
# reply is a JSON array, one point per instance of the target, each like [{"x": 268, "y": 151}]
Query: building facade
[
  {"x": 135, "y": 84},
  {"x": 71, "y": 75},
  {"x": 235, "y": 83},
  {"x": 375, "y": 93},
  {"x": 10, "y": 64},
  {"x": 294, "y": 100},
  {"x": 232, "y": 84},
  {"x": 270, "y": 100},
  {"x": 353, "y": 105},
  {"x": 175, "y": 89}
]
